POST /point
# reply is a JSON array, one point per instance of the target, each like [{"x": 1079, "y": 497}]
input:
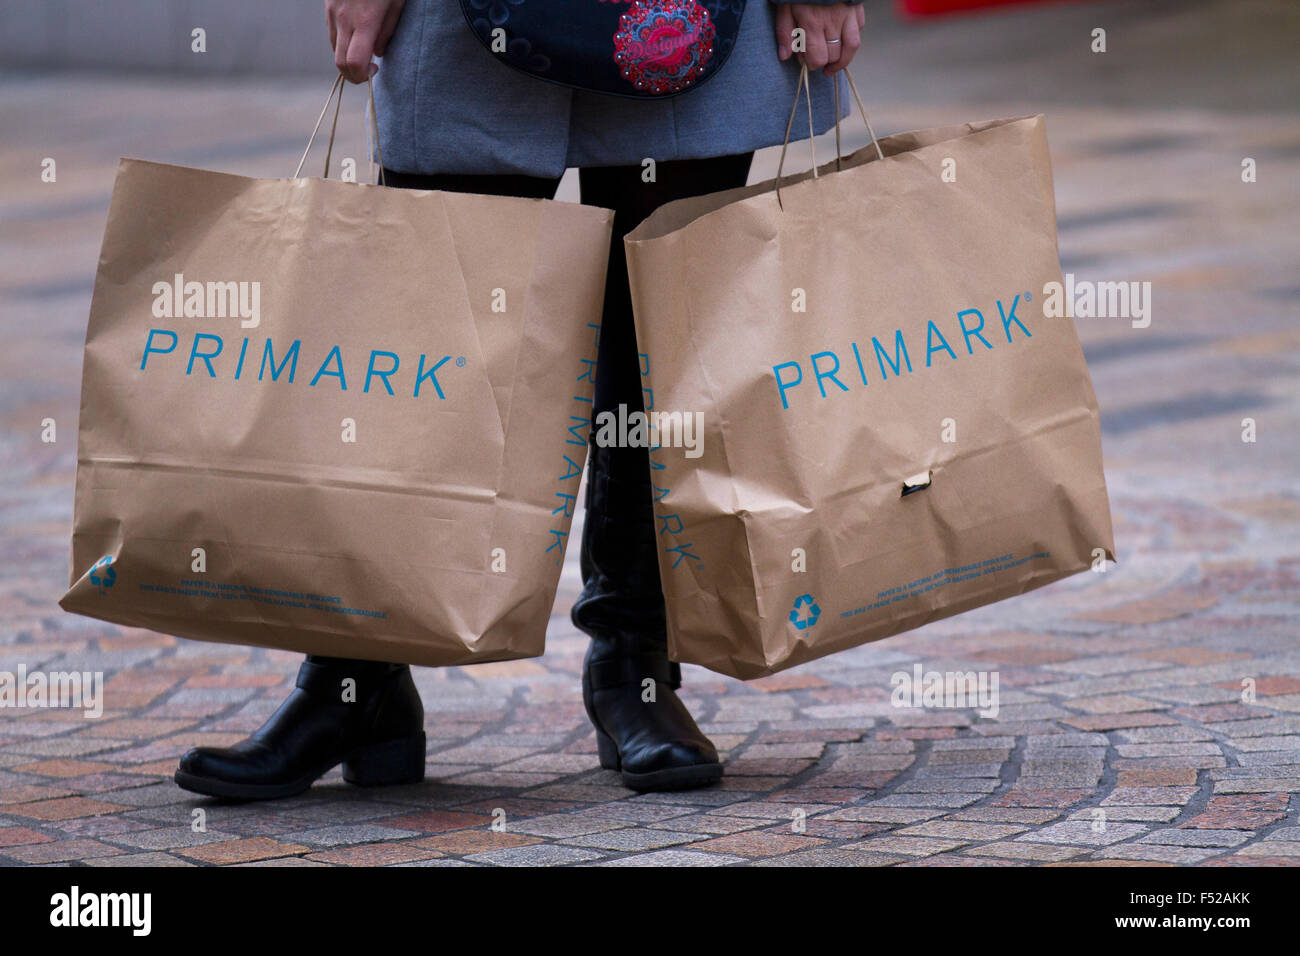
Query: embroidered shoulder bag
[{"x": 635, "y": 48}]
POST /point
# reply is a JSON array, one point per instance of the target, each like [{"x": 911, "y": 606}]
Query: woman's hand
[
  {"x": 833, "y": 33},
  {"x": 360, "y": 29}
]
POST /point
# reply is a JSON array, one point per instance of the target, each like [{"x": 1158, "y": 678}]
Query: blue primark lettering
[
  {"x": 1008, "y": 318},
  {"x": 148, "y": 345},
  {"x": 828, "y": 363},
  {"x": 337, "y": 356},
  {"x": 967, "y": 333},
  {"x": 421, "y": 375},
  {"x": 930, "y": 348},
  {"x": 831, "y": 374},
  {"x": 858, "y": 358},
  {"x": 371, "y": 370},
  {"x": 290, "y": 359},
  {"x": 573, "y": 472},
  {"x": 206, "y": 356},
  {"x": 776, "y": 370},
  {"x": 209, "y": 349},
  {"x": 581, "y": 423},
  {"x": 900, "y": 349},
  {"x": 575, "y": 436},
  {"x": 681, "y": 552},
  {"x": 669, "y": 522}
]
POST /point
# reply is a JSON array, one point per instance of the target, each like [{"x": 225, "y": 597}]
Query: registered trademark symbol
[
  {"x": 1029, "y": 297},
  {"x": 460, "y": 361}
]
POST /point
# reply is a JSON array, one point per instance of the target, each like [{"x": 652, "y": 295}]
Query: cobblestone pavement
[{"x": 1123, "y": 736}]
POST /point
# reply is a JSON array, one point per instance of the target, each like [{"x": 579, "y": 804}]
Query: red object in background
[{"x": 930, "y": 8}]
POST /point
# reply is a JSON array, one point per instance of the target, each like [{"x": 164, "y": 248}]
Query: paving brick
[
  {"x": 565, "y": 825},
  {"x": 716, "y": 823},
  {"x": 1188, "y": 837},
  {"x": 1155, "y": 796},
  {"x": 1079, "y": 833},
  {"x": 21, "y": 836},
  {"x": 1156, "y": 778},
  {"x": 1146, "y": 814},
  {"x": 466, "y": 842},
  {"x": 372, "y": 854},
  {"x": 1268, "y": 686},
  {"x": 64, "y": 808},
  {"x": 541, "y": 854},
  {"x": 961, "y": 830},
  {"x": 755, "y": 843},
  {"x": 1164, "y": 854},
  {"x": 139, "y": 860},
  {"x": 830, "y": 858},
  {"x": 170, "y": 838},
  {"x": 906, "y": 845},
  {"x": 1006, "y": 815},
  {"x": 348, "y": 834},
  {"x": 1241, "y": 812},
  {"x": 633, "y": 839},
  {"x": 1118, "y": 721},
  {"x": 61, "y": 851},
  {"x": 242, "y": 851},
  {"x": 64, "y": 768},
  {"x": 435, "y": 821},
  {"x": 674, "y": 858},
  {"x": 1029, "y": 797},
  {"x": 1025, "y": 851}
]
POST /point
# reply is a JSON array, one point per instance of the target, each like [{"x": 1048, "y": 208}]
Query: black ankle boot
[
  {"x": 628, "y": 684},
  {"x": 377, "y": 734}
]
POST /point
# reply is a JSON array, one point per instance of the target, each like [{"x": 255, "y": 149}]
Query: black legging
[{"x": 620, "y": 188}]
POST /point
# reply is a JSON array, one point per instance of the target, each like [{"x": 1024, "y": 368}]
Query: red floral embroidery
[{"x": 663, "y": 46}]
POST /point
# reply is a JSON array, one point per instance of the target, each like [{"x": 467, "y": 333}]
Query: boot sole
[
  {"x": 670, "y": 778},
  {"x": 216, "y": 787},
  {"x": 673, "y": 778},
  {"x": 385, "y": 764}
]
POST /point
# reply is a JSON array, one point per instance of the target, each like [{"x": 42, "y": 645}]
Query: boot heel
[
  {"x": 387, "y": 764},
  {"x": 607, "y": 751}
]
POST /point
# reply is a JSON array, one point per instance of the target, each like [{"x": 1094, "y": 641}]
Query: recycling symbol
[
  {"x": 809, "y": 617},
  {"x": 106, "y": 577}
]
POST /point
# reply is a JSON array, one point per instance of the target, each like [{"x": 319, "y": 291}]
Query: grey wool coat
[{"x": 445, "y": 104}]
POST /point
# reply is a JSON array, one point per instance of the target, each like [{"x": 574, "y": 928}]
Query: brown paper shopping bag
[
  {"x": 334, "y": 417},
  {"x": 893, "y": 432}
]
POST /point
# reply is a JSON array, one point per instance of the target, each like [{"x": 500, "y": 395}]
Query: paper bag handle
[
  {"x": 336, "y": 94},
  {"x": 806, "y": 86}
]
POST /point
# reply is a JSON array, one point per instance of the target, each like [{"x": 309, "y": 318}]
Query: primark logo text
[
  {"x": 208, "y": 356},
  {"x": 77, "y": 909},
  {"x": 968, "y": 334},
  {"x": 223, "y": 355}
]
